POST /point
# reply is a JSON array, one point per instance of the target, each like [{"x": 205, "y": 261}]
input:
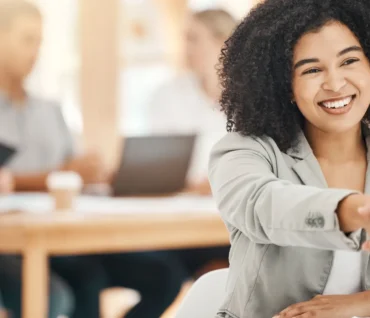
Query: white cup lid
[{"x": 64, "y": 180}]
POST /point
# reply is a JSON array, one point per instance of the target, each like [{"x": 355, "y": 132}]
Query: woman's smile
[{"x": 338, "y": 106}]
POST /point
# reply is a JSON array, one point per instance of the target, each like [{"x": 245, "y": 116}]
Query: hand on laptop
[
  {"x": 202, "y": 188},
  {"x": 6, "y": 182},
  {"x": 90, "y": 167}
]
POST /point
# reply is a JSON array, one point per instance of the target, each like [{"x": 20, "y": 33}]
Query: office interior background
[{"x": 102, "y": 61}]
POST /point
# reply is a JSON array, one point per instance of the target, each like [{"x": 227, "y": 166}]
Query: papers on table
[{"x": 43, "y": 203}]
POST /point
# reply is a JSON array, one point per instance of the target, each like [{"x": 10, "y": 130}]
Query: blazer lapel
[{"x": 306, "y": 166}]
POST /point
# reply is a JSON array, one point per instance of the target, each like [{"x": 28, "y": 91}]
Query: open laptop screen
[{"x": 156, "y": 164}]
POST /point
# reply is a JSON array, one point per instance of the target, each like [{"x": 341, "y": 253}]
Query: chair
[{"x": 205, "y": 296}]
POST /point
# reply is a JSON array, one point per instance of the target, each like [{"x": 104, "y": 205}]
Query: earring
[{"x": 292, "y": 102}]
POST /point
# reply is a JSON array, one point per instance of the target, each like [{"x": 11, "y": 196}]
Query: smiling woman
[{"x": 292, "y": 179}]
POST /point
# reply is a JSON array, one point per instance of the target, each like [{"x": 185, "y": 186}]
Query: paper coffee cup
[{"x": 64, "y": 187}]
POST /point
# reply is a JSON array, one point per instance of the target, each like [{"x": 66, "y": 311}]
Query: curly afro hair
[{"x": 256, "y": 63}]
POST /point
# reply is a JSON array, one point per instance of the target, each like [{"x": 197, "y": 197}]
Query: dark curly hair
[{"x": 256, "y": 63}]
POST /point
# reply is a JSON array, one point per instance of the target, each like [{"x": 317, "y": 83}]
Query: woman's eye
[
  {"x": 350, "y": 61},
  {"x": 311, "y": 71}
]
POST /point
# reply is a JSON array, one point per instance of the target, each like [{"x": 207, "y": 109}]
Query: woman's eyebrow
[
  {"x": 354, "y": 48},
  {"x": 306, "y": 61},
  {"x": 349, "y": 49}
]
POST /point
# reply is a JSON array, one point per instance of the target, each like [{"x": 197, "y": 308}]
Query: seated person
[
  {"x": 37, "y": 130},
  {"x": 189, "y": 104}
]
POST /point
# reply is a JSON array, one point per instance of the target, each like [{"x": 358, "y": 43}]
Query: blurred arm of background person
[
  {"x": 34, "y": 126},
  {"x": 88, "y": 166},
  {"x": 59, "y": 156},
  {"x": 201, "y": 187},
  {"x": 189, "y": 103},
  {"x": 6, "y": 182}
]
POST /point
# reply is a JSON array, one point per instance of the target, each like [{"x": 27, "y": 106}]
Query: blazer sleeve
[{"x": 269, "y": 210}]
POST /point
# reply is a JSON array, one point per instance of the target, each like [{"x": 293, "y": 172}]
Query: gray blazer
[{"x": 282, "y": 223}]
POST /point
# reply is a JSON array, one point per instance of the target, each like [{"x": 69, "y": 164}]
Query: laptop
[{"x": 153, "y": 165}]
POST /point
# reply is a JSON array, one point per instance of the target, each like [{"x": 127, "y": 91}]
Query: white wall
[
  {"x": 58, "y": 52},
  {"x": 55, "y": 75}
]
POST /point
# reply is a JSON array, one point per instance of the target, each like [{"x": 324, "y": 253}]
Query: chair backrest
[{"x": 205, "y": 297}]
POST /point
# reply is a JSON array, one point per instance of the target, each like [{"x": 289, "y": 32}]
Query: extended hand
[{"x": 354, "y": 213}]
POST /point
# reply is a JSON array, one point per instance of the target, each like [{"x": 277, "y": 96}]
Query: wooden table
[{"x": 38, "y": 236}]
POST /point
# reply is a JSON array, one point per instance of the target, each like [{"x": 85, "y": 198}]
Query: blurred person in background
[
  {"x": 34, "y": 126},
  {"x": 189, "y": 103},
  {"x": 37, "y": 130}
]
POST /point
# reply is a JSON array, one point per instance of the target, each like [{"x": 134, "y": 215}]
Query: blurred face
[
  {"x": 202, "y": 47},
  {"x": 331, "y": 79},
  {"x": 20, "y": 44}
]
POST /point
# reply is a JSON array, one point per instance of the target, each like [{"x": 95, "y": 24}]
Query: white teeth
[{"x": 338, "y": 103}]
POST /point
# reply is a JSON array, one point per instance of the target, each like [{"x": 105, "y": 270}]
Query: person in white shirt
[{"x": 189, "y": 102}]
